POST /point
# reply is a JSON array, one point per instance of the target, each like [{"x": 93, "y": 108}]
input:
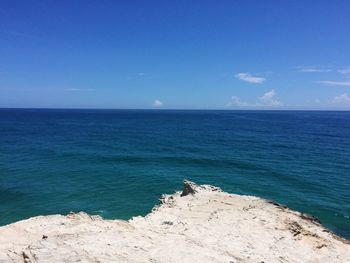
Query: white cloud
[
  {"x": 78, "y": 89},
  {"x": 157, "y": 103},
  {"x": 237, "y": 102},
  {"x": 268, "y": 95},
  {"x": 335, "y": 83},
  {"x": 266, "y": 100},
  {"x": 345, "y": 71},
  {"x": 74, "y": 89},
  {"x": 141, "y": 74},
  {"x": 342, "y": 100},
  {"x": 249, "y": 78},
  {"x": 313, "y": 69}
]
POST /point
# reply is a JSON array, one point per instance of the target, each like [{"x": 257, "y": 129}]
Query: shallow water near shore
[{"x": 117, "y": 163}]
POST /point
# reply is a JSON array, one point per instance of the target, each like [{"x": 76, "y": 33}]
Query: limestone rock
[{"x": 199, "y": 224}]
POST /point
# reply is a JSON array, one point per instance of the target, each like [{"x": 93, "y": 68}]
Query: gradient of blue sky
[{"x": 175, "y": 54}]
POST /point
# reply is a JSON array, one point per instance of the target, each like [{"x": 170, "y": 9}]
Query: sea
[{"x": 117, "y": 163}]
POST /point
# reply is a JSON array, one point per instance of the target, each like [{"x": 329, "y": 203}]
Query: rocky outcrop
[{"x": 199, "y": 224}]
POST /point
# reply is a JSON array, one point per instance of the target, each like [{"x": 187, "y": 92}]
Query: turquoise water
[{"x": 117, "y": 163}]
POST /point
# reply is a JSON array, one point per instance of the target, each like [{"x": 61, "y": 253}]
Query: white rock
[{"x": 202, "y": 224}]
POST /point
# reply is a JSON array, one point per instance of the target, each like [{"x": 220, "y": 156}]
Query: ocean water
[{"x": 117, "y": 163}]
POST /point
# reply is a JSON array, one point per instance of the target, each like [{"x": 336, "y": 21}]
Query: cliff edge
[{"x": 199, "y": 224}]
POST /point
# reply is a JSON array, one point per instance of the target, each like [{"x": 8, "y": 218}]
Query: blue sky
[{"x": 175, "y": 54}]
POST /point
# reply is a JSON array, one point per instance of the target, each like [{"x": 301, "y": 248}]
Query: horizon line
[{"x": 166, "y": 109}]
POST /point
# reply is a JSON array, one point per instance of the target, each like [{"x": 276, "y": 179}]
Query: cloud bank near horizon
[
  {"x": 267, "y": 100},
  {"x": 157, "y": 103}
]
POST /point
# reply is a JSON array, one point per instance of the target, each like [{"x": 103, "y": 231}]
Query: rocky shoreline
[{"x": 199, "y": 224}]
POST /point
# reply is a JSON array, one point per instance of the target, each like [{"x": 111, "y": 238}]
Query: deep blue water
[{"x": 117, "y": 163}]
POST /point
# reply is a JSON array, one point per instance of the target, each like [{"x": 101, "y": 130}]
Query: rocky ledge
[{"x": 199, "y": 224}]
